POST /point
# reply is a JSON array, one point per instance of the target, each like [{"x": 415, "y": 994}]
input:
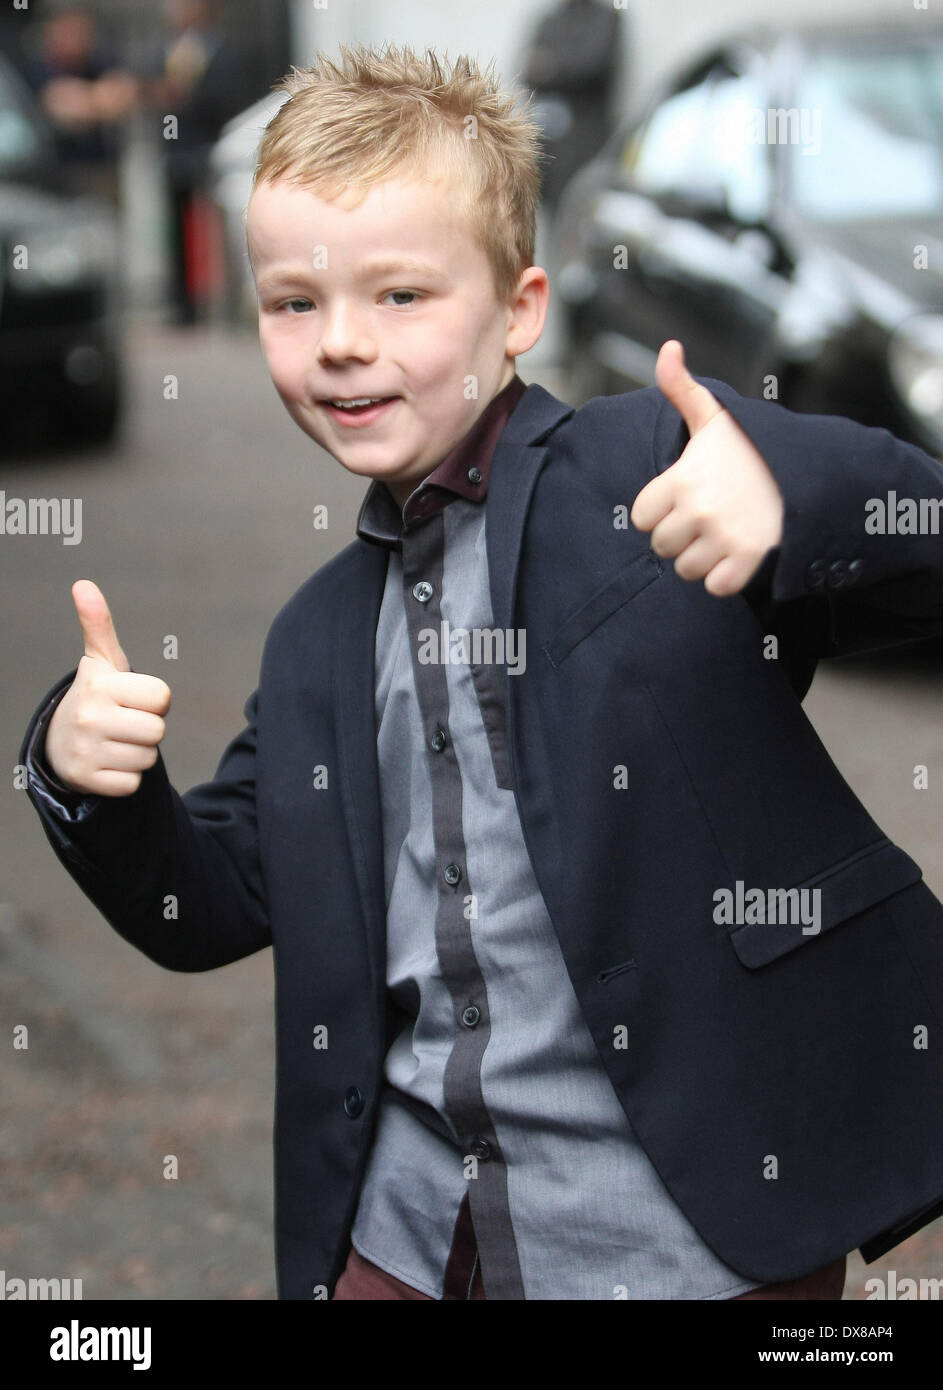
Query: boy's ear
[{"x": 527, "y": 310}]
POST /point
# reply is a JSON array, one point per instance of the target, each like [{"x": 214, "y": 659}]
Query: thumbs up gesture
[
  {"x": 106, "y": 728},
  {"x": 717, "y": 510}
]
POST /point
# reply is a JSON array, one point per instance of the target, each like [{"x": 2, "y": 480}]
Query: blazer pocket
[
  {"x": 846, "y": 890},
  {"x": 608, "y": 599}
]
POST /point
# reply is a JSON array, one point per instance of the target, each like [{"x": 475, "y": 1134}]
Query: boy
[{"x": 508, "y": 768}]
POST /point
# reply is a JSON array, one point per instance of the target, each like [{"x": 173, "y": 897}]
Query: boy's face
[{"x": 389, "y": 299}]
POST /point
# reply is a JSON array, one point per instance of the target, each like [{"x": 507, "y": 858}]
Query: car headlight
[
  {"x": 58, "y": 257},
  {"x": 915, "y": 360}
]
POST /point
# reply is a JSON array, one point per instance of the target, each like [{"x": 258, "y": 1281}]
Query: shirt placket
[{"x": 485, "y": 1168}]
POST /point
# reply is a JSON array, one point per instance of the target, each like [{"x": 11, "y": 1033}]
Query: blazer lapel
[
  {"x": 355, "y": 716},
  {"x": 515, "y": 466}
]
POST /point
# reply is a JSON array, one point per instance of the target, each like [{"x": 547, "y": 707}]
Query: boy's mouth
[{"x": 360, "y": 410}]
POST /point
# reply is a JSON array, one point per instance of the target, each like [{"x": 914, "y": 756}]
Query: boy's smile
[{"x": 391, "y": 300}]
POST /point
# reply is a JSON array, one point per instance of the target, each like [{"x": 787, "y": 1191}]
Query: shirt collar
[{"x": 464, "y": 472}]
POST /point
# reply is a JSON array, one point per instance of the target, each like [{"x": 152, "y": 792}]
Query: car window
[
  {"x": 704, "y": 144},
  {"x": 737, "y": 157},
  {"x": 661, "y": 156},
  {"x": 881, "y": 117}
]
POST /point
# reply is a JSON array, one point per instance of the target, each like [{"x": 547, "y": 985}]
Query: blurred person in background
[
  {"x": 78, "y": 81},
  {"x": 572, "y": 66},
  {"x": 198, "y": 74}
]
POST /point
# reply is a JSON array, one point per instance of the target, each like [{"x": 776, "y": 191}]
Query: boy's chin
[{"x": 371, "y": 472}]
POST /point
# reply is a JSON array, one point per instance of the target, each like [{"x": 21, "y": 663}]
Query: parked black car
[
  {"x": 60, "y": 287},
  {"x": 780, "y": 210}
]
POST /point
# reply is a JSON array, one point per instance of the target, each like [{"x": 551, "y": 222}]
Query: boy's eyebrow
[
  {"x": 382, "y": 264},
  {"x": 379, "y": 265},
  {"x": 280, "y": 274}
]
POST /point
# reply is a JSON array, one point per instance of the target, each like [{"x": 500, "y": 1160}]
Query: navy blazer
[{"x": 776, "y": 1078}]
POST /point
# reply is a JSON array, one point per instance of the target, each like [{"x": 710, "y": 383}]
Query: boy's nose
[{"x": 344, "y": 335}]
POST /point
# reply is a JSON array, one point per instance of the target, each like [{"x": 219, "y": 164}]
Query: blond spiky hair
[{"x": 389, "y": 113}]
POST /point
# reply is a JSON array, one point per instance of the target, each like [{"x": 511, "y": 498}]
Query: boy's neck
[{"x": 401, "y": 492}]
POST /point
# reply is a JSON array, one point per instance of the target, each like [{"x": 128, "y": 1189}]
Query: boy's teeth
[{"x": 365, "y": 400}]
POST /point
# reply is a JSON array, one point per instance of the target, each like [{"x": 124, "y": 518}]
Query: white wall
[
  {"x": 484, "y": 28},
  {"x": 658, "y": 34}
]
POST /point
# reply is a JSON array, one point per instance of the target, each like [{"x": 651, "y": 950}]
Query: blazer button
[
  {"x": 837, "y": 574},
  {"x": 815, "y": 574},
  {"x": 353, "y": 1101},
  {"x": 854, "y": 570}
]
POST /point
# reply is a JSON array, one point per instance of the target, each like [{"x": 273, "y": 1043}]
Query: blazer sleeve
[
  {"x": 843, "y": 585},
  {"x": 177, "y": 876}
]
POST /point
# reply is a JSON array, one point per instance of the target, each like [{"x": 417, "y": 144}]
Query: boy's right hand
[{"x": 106, "y": 728}]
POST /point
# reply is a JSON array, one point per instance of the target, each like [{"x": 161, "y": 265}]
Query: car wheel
[{"x": 91, "y": 415}]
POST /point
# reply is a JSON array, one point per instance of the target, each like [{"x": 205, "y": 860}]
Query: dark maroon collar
[{"x": 462, "y": 473}]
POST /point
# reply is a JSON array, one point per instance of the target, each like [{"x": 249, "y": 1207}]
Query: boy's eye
[{"x": 291, "y": 304}]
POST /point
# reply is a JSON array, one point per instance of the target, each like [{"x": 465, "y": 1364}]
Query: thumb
[
  {"x": 694, "y": 402},
  {"x": 98, "y": 630}
]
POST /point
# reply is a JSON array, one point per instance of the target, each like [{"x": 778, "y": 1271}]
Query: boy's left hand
[{"x": 718, "y": 510}]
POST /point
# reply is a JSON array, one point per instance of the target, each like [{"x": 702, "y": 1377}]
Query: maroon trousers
[{"x": 363, "y": 1280}]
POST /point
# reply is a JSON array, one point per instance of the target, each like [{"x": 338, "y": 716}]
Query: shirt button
[
  {"x": 438, "y": 741},
  {"x": 452, "y": 874},
  {"x": 474, "y": 475},
  {"x": 423, "y": 591},
  {"x": 481, "y": 1149},
  {"x": 471, "y": 1015},
  {"x": 353, "y": 1101}
]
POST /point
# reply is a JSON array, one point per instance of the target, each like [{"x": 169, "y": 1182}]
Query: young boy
[{"x": 594, "y": 978}]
